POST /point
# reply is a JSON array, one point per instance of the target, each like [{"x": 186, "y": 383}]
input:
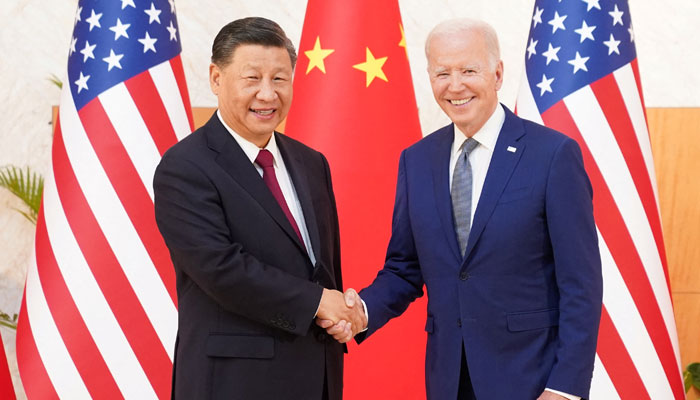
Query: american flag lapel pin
[{"x": 511, "y": 149}]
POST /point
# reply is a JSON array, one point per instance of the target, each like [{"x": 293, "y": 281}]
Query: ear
[
  {"x": 214, "y": 78},
  {"x": 499, "y": 75}
]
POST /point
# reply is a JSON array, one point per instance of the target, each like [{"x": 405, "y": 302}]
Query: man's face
[
  {"x": 465, "y": 84},
  {"x": 254, "y": 90}
]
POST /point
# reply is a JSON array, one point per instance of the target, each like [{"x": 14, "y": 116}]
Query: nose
[
  {"x": 267, "y": 91},
  {"x": 455, "y": 83}
]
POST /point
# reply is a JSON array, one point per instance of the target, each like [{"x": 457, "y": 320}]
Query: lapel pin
[{"x": 511, "y": 149}]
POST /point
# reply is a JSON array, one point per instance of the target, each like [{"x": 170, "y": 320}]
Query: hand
[
  {"x": 547, "y": 395},
  {"x": 343, "y": 331}
]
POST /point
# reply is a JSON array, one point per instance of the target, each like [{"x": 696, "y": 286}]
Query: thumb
[
  {"x": 324, "y": 323},
  {"x": 350, "y": 297}
]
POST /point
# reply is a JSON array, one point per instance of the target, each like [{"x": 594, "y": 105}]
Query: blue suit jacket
[{"x": 526, "y": 298}]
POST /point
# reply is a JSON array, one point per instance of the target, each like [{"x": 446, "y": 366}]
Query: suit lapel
[
  {"x": 234, "y": 161},
  {"x": 441, "y": 184},
  {"x": 503, "y": 162},
  {"x": 296, "y": 167}
]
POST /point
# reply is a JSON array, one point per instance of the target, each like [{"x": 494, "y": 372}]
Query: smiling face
[
  {"x": 254, "y": 90},
  {"x": 464, "y": 77}
]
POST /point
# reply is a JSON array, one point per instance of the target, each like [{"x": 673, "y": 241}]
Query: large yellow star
[
  {"x": 373, "y": 67},
  {"x": 316, "y": 56}
]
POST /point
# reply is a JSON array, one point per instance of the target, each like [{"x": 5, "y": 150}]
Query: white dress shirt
[
  {"x": 480, "y": 159},
  {"x": 286, "y": 185}
]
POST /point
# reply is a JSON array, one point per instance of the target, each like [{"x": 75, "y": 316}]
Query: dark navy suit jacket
[
  {"x": 247, "y": 291},
  {"x": 526, "y": 299}
]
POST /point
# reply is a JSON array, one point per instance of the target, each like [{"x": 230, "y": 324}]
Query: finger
[{"x": 324, "y": 323}]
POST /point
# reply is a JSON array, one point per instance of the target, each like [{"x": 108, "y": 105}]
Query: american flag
[
  {"x": 581, "y": 78},
  {"x": 99, "y": 314}
]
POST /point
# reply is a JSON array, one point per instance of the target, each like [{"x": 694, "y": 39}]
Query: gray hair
[
  {"x": 251, "y": 30},
  {"x": 461, "y": 25}
]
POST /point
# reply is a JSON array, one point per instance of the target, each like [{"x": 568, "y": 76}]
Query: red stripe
[
  {"x": 617, "y": 361},
  {"x": 7, "y": 390},
  {"x": 611, "y": 102},
  {"x": 75, "y": 334},
  {"x": 36, "y": 382},
  {"x": 129, "y": 188},
  {"x": 110, "y": 277},
  {"x": 147, "y": 99},
  {"x": 638, "y": 81},
  {"x": 176, "y": 65},
  {"x": 616, "y": 235}
]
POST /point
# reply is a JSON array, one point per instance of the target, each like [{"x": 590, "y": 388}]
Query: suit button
[
  {"x": 459, "y": 322},
  {"x": 463, "y": 275}
]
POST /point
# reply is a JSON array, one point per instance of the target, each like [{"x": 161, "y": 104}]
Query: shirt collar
[
  {"x": 486, "y": 136},
  {"x": 249, "y": 148}
]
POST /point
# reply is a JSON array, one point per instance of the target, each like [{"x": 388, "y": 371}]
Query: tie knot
[
  {"x": 264, "y": 159},
  {"x": 469, "y": 145}
]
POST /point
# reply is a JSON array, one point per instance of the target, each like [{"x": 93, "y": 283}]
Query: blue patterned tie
[{"x": 462, "y": 194}]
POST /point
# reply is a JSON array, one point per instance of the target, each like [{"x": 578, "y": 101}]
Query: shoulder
[{"x": 435, "y": 138}]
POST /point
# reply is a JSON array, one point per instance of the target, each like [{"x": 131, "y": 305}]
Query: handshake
[{"x": 341, "y": 315}]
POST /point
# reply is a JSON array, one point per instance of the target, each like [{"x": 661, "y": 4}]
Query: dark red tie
[{"x": 265, "y": 161}]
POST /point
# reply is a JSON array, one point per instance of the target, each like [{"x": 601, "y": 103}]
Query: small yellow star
[
  {"x": 316, "y": 56},
  {"x": 373, "y": 67},
  {"x": 402, "y": 43}
]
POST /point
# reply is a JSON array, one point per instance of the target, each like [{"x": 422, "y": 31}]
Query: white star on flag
[
  {"x": 545, "y": 85},
  {"x": 153, "y": 14},
  {"x": 585, "y": 31},
  {"x": 551, "y": 53},
  {"x": 531, "y": 48},
  {"x": 77, "y": 14},
  {"x": 172, "y": 31},
  {"x": 537, "y": 18},
  {"x": 612, "y": 45},
  {"x": 87, "y": 51},
  {"x": 94, "y": 20},
  {"x": 616, "y": 14},
  {"x": 113, "y": 60},
  {"x": 557, "y": 22},
  {"x": 120, "y": 29},
  {"x": 172, "y": 5},
  {"x": 592, "y": 4},
  {"x": 128, "y": 3},
  {"x": 631, "y": 31},
  {"x": 82, "y": 82},
  {"x": 73, "y": 42},
  {"x": 579, "y": 63},
  {"x": 148, "y": 43}
]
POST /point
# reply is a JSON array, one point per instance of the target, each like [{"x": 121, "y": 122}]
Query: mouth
[
  {"x": 263, "y": 112},
  {"x": 460, "y": 102}
]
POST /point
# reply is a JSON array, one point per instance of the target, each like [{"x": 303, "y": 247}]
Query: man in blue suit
[{"x": 494, "y": 216}]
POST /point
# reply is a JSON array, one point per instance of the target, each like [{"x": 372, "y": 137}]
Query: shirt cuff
[
  {"x": 364, "y": 307},
  {"x": 568, "y": 396}
]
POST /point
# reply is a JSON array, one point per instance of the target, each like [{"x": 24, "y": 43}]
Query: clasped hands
[{"x": 341, "y": 315}]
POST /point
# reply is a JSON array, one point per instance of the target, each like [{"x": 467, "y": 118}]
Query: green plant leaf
[
  {"x": 56, "y": 81},
  {"x": 694, "y": 371},
  {"x": 5, "y": 320},
  {"x": 687, "y": 380},
  {"x": 27, "y": 185}
]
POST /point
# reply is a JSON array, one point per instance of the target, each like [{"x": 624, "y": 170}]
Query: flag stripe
[
  {"x": 71, "y": 326},
  {"x": 37, "y": 384},
  {"x": 630, "y": 327},
  {"x": 133, "y": 133},
  {"x": 164, "y": 79},
  {"x": 147, "y": 99},
  {"x": 617, "y": 363},
  {"x": 179, "y": 72},
  {"x": 141, "y": 239},
  {"x": 617, "y": 235},
  {"x": 62, "y": 373},
  {"x": 602, "y": 386}
]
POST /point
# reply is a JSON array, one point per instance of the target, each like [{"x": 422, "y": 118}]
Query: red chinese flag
[
  {"x": 6, "y": 389},
  {"x": 354, "y": 102}
]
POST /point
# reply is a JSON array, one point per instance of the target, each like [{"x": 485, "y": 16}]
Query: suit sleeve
[
  {"x": 192, "y": 221},
  {"x": 400, "y": 282},
  {"x": 335, "y": 227},
  {"x": 574, "y": 240}
]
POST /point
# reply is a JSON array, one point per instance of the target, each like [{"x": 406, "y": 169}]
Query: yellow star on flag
[
  {"x": 373, "y": 67},
  {"x": 316, "y": 56},
  {"x": 402, "y": 43}
]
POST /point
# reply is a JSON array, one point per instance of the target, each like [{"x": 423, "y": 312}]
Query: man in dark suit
[
  {"x": 494, "y": 216},
  {"x": 250, "y": 219}
]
